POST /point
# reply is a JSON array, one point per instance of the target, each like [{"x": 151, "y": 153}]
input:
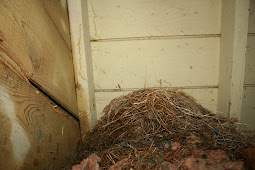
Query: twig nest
[{"x": 135, "y": 125}]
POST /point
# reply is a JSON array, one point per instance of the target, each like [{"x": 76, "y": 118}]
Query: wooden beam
[
  {"x": 78, "y": 16},
  {"x": 234, "y": 29}
]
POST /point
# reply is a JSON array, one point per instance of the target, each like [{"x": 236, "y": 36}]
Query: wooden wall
[
  {"x": 84, "y": 80},
  {"x": 35, "y": 133},
  {"x": 35, "y": 56},
  {"x": 137, "y": 44},
  {"x": 35, "y": 35},
  {"x": 248, "y": 108}
]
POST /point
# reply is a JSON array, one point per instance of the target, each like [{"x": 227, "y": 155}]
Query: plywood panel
[
  {"x": 206, "y": 97},
  {"x": 155, "y": 63},
  {"x": 139, "y": 18},
  {"x": 35, "y": 134},
  {"x": 57, "y": 10},
  {"x": 248, "y": 107},
  {"x": 250, "y": 61},
  {"x": 252, "y": 17},
  {"x": 31, "y": 39}
]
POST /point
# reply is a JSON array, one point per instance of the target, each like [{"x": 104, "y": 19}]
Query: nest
[{"x": 146, "y": 128}]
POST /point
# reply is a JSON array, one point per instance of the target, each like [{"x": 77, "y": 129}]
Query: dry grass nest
[{"x": 139, "y": 127}]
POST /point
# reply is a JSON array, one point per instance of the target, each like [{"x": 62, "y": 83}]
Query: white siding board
[
  {"x": 139, "y": 18},
  {"x": 248, "y": 109},
  {"x": 155, "y": 63},
  {"x": 250, "y": 61}
]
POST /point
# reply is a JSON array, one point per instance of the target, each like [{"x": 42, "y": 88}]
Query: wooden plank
[
  {"x": 155, "y": 63},
  {"x": 206, "y": 97},
  {"x": 78, "y": 15},
  {"x": 35, "y": 134},
  {"x": 11, "y": 64},
  {"x": 234, "y": 29},
  {"x": 31, "y": 39},
  {"x": 250, "y": 61},
  {"x": 252, "y": 17},
  {"x": 57, "y": 10},
  {"x": 139, "y": 18},
  {"x": 248, "y": 108}
]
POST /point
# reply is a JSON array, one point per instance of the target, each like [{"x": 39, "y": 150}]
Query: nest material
[{"x": 138, "y": 128}]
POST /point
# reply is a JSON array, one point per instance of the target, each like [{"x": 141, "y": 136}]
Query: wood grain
[
  {"x": 139, "y": 18},
  {"x": 234, "y": 30},
  {"x": 250, "y": 61},
  {"x": 31, "y": 39},
  {"x": 156, "y": 63},
  {"x": 35, "y": 133},
  {"x": 209, "y": 102},
  {"x": 57, "y": 10},
  {"x": 248, "y": 107},
  {"x": 11, "y": 64}
]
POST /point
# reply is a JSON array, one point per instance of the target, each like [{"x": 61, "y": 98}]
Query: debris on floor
[
  {"x": 248, "y": 156},
  {"x": 89, "y": 163},
  {"x": 158, "y": 128}
]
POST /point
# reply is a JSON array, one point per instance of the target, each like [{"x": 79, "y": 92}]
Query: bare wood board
[
  {"x": 29, "y": 36},
  {"x": 57, "y": 10},
  {"x": 35, "y": 133}
]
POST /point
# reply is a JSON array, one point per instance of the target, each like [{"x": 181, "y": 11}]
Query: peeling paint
[{"x": 94, "y": 21}]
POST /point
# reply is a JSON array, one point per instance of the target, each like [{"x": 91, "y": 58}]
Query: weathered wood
[
  {"x": 156, "y": 63},
  {"x": 84, "y": 80},
  {"x": 252, "y": 17},
  {"x": 248, "y": 108},
  {"x": 250, "y": 62},
  {"x": 35, "y": 133},
  {"x": 139, "y": 18},
  {"x": 209, "y": 102},
  {"x": 234, "y": 29},
  {"x": 31, "y": 39},
  {"x": 57, "y": 10}
]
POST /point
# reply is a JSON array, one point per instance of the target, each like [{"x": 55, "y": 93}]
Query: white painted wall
[
  {"x": 146, "y": 43},
  {"x": 248, "y": 106}
]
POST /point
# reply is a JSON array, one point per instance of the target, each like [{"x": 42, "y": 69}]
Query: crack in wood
[{"x": 54, "y": 102}]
